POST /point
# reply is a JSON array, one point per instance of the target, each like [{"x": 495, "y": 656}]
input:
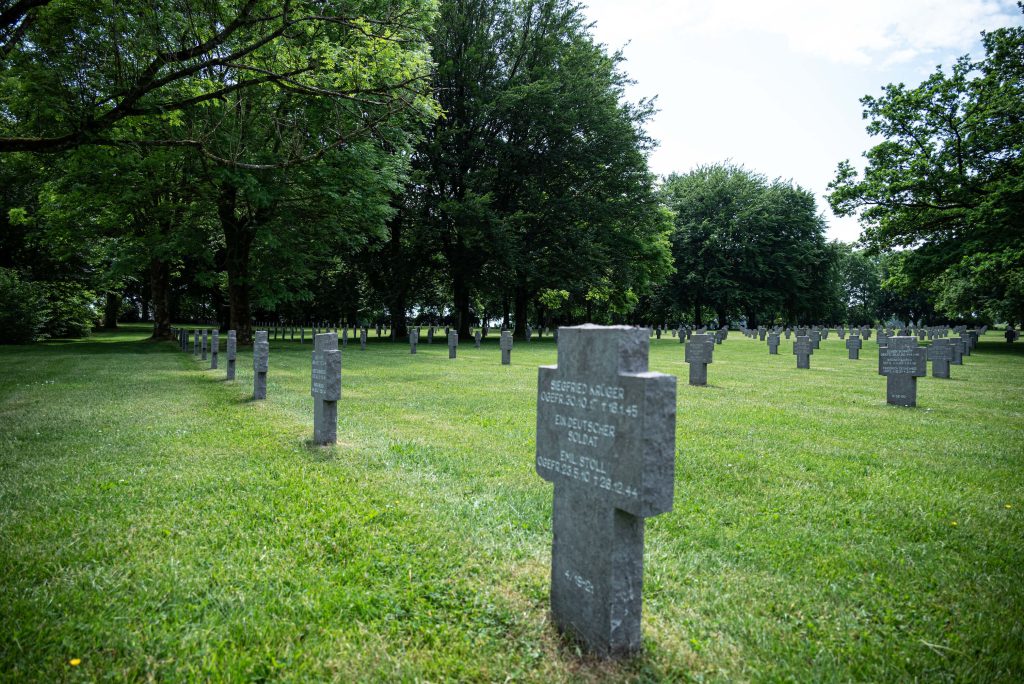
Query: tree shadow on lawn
[{"x": 99, "y": 345}]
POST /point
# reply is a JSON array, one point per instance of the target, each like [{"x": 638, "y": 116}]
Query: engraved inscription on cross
[
  {"x": 325, "y": 386},
  {"x": 940, "y": 353},
  {"x": 606, "y": 439},
  {"x": 902, "y": 362}
]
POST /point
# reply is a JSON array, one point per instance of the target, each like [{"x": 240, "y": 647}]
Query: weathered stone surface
[
  {"x": 606, "y": 439},
  {"x": 940, "y": 353},
  {"x": 260, "y": 364},
  {"x": 699, "y": 352},
  {"x": 232, "y": 352},
  {"x": 325, "y": 387},
  {"x": 853, "y": 346},
  {"x": 773, "y": 343},
  {"x": 506, "y": 347},
  {"x": 902, "y": 362},
  {"x": 803, "y": 347},
  {"x": 453, "y": 343}
]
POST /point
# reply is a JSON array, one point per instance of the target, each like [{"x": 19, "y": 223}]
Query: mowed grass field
[{"x": 155, "y": 523}]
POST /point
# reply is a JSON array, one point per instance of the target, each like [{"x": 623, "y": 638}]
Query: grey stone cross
[
  {"x": 606, "y": 439},
  {"x": 214, "y": 348},
  {"x": 773, "y": 343},
  {"x": 453, "y": 343},
  {"x": 362, "y": 338},
  {"x": 476, "y": 339},
  {"x": 506, "y": 347},
  {"x": 815, "y": 338},
  {"x": 940, "y": 353},
  {"x": 232, "y": 352},
  {"x": 325, "y": 386},
  {"x": 803, "y": 347},
  {"x": 414, "y": 338},
  {"x": 902, "y": 362},
  {"x": 260, "y": 364},
  {"x": 853, "y": 346},
  {"x": 699, "y": 351}
]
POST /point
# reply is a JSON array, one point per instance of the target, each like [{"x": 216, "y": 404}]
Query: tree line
[{"x": 466, "y": 160}]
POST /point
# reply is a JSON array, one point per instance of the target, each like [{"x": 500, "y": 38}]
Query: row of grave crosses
[{"x": 606, "y": 440}]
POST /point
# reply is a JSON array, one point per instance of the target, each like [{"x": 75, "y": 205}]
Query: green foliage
[
  {"x": 21, "y": 309},
  {"x": 744, "y": 246},
  {"x": 947, "y": 182},
  {"x": 69, "y": 309}
]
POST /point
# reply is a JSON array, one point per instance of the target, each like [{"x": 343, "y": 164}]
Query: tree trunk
[
  {"x": 238, "y": 238},
  {"x": 521, "y": 306},
  {"x": 111, "y": 308},
  {"x": 159, "y": 288},
  {"x": 460, "y": 293},
  {"x": 698, "y": 314}
]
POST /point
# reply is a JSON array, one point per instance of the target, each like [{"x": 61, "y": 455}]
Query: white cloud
[{"x": 858, "y": 32}]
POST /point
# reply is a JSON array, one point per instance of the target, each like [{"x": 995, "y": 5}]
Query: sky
[{"x": 775, "y": 85}]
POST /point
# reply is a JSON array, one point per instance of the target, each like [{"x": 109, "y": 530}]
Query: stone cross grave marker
[
  {"x": 506, "y": 347},
  {"x": 789, "y": 332},
  {"x": 841, "y": 332},
  {"x": 195, "y": 342},
  {"x": 940, "y": 353},
  {"x": 956, "y": 347},
  {"x": 699, "y": 352},
  {"x": 761, "y": 332},
  {"x": 362, "y": 338},
  {"x": 325, "y": 386},
  {"x": 453, "y": 343},
  {"x": 902, "y": 362},
  {"x": 606, "y": 439},
  {"x": 476, "y": 339},
  {"x": 803, "y": 347},
  {"x": 214, "y": 348},
  {"x": 414, "y": 338},
  {"x": 260, "y": 364},
  {"x": 815, "y": 337},
  {"x": 773, "y": 343},
  {"x": 1010, "y": 335},
  {"x": 529, "y": 333},
  {"x": 853, "y": 346},
  {"x": 430, "y": 335},
  {"x": 232, "y": 352}
]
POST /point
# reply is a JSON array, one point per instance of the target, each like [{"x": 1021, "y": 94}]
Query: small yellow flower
[
  {"x": 953, "y": 523},
  {"x": 1009, "y": 506},
  {"x": 75, "y": 662}
]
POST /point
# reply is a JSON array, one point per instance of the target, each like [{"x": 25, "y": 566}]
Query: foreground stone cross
[
  {"x": 506, "y": 347},
  {"x": 453, "y": 343},
  {"x": 853, "y": 346},
  {"x": 260, "y": 364},
  {"x": 214, "y": 348},
  {"x": 325, "y": 386},
  {"x": 773, "y": 343},
  {"x": 803, "y": 347},
  {"x": 698, "y": 354},
  {"x": 414, "y": 338},
  {"x": 902, "y": 362},
  {"x": 606, "y": 439},
  {"x": 232, "y": 351}
]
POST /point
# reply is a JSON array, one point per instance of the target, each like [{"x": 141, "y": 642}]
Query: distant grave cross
[
  {"x": 606, "y": 439},
  {"x": 803, "y": 347},
  {"x": 260, "y": 364},
  {"x": 506, "y": 347},
  {"x": 773, "y": 343},
  {"x": 940, "y": 353},
  {"x": 698, "y": 354},
  {"x": 232, "y": 352},
  {"x": 453, "y": 343},
  {"x": 853, "y": 346}
]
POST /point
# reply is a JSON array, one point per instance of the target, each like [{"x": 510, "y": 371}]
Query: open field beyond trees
[{"x": 157, "y": 523}]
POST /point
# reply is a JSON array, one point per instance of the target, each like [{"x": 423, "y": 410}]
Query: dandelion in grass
[{"x": 75, "y": 662}]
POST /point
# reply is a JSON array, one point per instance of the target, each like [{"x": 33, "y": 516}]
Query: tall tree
[{"x": 946, "y": 184}]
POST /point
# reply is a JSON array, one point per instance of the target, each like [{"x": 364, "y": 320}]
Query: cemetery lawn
[{"x": 155, "y": 523}]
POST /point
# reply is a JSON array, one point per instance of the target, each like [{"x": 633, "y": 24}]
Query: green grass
[{"x": 157, "y": 524}]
